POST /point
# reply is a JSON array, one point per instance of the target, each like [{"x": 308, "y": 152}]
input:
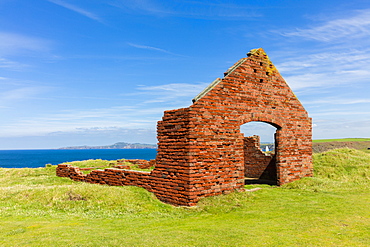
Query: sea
[{"x": 39, "y": 158}]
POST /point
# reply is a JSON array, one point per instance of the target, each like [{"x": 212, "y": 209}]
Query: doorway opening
[{"x": 260, "y": 148}]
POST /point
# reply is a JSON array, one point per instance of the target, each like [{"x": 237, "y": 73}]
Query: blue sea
[{"x": 39, "y": 158}]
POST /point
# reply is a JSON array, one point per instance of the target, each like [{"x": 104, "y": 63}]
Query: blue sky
[{"x": 99, "y": 72}]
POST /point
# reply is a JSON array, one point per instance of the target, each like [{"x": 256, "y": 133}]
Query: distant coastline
[{"x": 118, "y": 145}]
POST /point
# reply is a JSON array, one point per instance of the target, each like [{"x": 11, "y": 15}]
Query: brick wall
[
  {"x": 201, "y": 151},
  {"x": 109, "y": 176},
  {"x": 258, "y": 164}
]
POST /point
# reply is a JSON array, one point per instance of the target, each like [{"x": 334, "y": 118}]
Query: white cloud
[
  {"x": 325, "y": 69},
  {"x": 173, "y": 95},
  {"x": 341, "y": 113},
  {"x": 152, "y": 48},
  {"x": 129, "y": 117},
  {"x": 141, "y": 115},
  {"x": 146, "y": 6},
  {"x": 347, "y": 59},
  {"x": 19, "y": 93},
  {"x": 195, "y": 9},
  {"x": 11, "y": 65},
  {"x": 337, "y": 101},
  {"x": 77, "y": 9},
  {"x": 13, "y": 43},
  {"x": 331, "y": 75},
  {"x": 175, "y": 89},
  {"x": 341, "y": 129},
  {"x": 337, "y": 60},
  {"x": 339, "y": 30},
  {"x": 9, "y": 97}
]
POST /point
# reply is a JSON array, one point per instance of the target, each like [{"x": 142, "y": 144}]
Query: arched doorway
[{"x": 260, "y": 151}]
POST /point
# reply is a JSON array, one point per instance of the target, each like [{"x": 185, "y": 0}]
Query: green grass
[
  {"x": 331, "y": 209},
  {"x": 343, "y": 140}
]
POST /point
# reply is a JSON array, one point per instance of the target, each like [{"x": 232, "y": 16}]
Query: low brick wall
[
  {"x": 109, "y": 176},
  {"x": 142, "y": 164}
]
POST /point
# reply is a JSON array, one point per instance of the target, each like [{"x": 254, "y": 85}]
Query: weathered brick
[{"x": 201, "y": 151}]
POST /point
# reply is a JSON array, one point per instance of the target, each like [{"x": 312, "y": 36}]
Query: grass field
[
  {"x": 331, "y": 209},
  {"x": 342, "y": 140}
]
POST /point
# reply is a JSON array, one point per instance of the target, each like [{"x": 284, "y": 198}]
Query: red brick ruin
[{"x": 201, "y": 151}]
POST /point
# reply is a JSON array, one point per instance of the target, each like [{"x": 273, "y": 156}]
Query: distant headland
[{"x": 118, "y": 145}]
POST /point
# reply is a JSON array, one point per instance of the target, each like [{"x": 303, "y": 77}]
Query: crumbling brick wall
[
  {"x": 258, "y": 164},
  {"x": 109, "y": 176},
  {"x": 201, "y": 150}
]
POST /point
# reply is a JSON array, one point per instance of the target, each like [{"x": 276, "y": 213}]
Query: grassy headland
[
  {"x": 319, "y": 146},
  {"x": 331, "y": 209},
  {"x": 342, "y": 140}
]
